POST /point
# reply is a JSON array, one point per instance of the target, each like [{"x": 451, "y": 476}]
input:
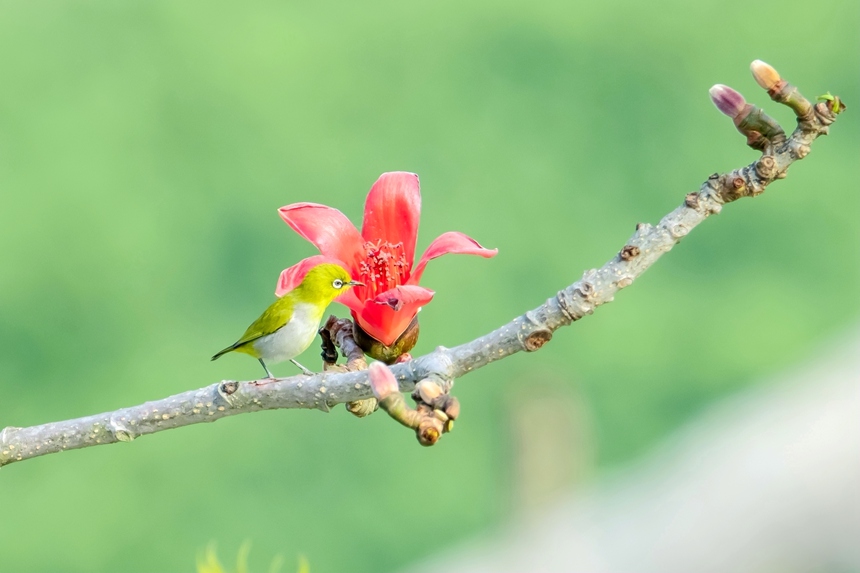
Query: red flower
[{"x": 381, "y": 256}]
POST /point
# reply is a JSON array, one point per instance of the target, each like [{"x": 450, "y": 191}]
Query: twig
[
  {"x": 338, "y": 334},
  {"x": 528, "y": 332}
]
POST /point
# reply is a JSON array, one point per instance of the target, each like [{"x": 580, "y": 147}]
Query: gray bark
[{"x": 525, "y": 333}]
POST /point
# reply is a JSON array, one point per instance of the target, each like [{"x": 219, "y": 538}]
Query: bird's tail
[{"x": 219, "y": 354}]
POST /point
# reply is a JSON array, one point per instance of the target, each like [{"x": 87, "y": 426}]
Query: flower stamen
[{"x": 384, "y": 267}]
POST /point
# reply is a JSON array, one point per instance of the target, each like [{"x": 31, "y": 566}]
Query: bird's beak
[{"x": 354, "y": 283}]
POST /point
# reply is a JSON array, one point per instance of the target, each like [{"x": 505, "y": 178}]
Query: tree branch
[{"x": 528, "y": 332}]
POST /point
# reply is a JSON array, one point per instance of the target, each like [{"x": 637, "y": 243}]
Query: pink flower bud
[
  {"x": 727, "y": 100},
  {"x": 765, "y": 74},
  {"x": 382, "y": 381}
]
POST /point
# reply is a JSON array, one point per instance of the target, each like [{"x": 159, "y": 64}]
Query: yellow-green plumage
[{"x": 289, "y": 325}]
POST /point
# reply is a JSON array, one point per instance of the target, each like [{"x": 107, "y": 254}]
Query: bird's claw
[{"x": 304, "y": 370}]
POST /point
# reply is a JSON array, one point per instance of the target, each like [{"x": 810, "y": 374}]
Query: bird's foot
[
  {"x": 304, "y": 370},
  {"x": 264, "y": 381}
]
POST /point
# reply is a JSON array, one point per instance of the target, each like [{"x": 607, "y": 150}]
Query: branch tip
[
  {"x": 729, "y": 101},
  {"x": 765, "y": 75},
  {"x": 833, "y": 103}
]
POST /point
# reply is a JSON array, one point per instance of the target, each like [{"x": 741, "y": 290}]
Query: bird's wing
[{"x": 273, "y": 318}]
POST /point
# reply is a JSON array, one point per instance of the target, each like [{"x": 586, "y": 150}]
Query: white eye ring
[{"x": 337, "y": 283}]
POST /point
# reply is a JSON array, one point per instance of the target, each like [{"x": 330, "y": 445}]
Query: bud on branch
[
  {"x": 433, "y": 374},
  {"x": 765, "y": 75},
  {"x": 729, "y": 101}
]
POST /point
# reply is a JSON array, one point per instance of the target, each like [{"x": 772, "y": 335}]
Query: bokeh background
[{"x": 146, "y": 145}]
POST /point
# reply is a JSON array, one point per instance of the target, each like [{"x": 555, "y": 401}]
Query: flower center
[{"x": 384, "y": 267}]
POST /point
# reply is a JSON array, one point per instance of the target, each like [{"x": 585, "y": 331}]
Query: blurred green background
[{"x": 145, "y": 148}]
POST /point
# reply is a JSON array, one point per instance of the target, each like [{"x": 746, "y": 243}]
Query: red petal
[
  {"x": 379, "y": 318},
  {"x": 350, "y": 300},
  {"x": 402, "y": 296},
  {"x": 291, "y": 278},
  {"x": 392, "y": 211},
  {"x": 451, "y": 242},
  {"x": 328, "y": 229}
]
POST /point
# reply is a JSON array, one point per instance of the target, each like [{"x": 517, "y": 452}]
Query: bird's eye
[{"x": 337, "y": 283}]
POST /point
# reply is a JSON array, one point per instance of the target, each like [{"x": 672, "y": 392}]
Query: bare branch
[{"x": 528, "y": 332}]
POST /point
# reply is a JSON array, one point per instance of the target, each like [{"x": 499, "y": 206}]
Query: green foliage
[
  {"x": 208, "y": 562},
  {"x": 146, "y": 145}
]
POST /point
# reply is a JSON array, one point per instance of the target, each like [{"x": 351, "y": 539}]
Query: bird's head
[{"x": 325, "y": 282}]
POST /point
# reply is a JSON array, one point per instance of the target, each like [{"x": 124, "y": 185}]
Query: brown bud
[
  {"x": 765, "y": 75},
  {"x": 228, "y": 388},
  {"x": 388, "y": 354},
  {"x": 629, "y": 252},
  {"x": 692, "y": 200}
]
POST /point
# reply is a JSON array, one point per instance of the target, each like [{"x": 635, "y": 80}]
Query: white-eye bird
[{"x": 290, "y": 324}]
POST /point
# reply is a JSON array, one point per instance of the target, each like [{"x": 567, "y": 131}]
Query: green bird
[{"x": 290, "y": 324}]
